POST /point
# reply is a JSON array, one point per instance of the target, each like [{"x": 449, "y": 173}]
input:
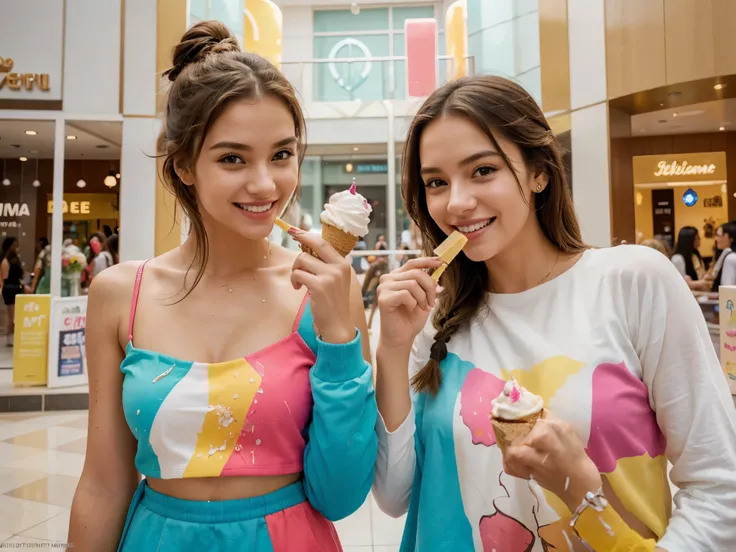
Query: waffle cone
[
  {"x": 508, "y": 431},
  {"x": 341, "y": 241}
]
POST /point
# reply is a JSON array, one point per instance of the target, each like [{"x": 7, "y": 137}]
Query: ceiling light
[
  {"x": 117, "y": 176},
  {"x": 24, "y": 159},
  {"x": 6, "y": 182},
  {"x": 720, "y": 86},
  {"x": 36, "y": 183},
  {"x": 349, "y": 168},
  {"x": 674, "y": 114},
  {"x": 81, "y": 183},
  {"x": 356, "y": 148},
  {"x": 31, "y": 132},
  {"x": 70, "y": 137},
  {"x": 722, "y": 128},
  {"x": 110, "y": 181}
]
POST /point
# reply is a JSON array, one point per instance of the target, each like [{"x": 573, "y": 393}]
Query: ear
[
  {"x": 184, "y": 174},
  {"x": 540, "y": 181}
]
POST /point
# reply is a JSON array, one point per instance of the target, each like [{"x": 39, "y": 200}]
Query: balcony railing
[{"x": 362, "y": 79}]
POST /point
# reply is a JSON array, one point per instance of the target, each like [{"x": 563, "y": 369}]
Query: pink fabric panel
[
  {"x": 421, "y": 56},
  {"x": 272, "y": 441},
  {"x": 302, "y": 529}
]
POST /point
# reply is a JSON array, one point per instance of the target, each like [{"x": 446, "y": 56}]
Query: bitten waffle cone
[
  {"x": 508, "y": 431},
  {"x": 341, "y": 241}
]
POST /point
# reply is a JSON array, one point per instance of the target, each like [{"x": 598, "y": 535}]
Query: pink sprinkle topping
[
  {"x": 353, "y": 189},
  {"x": 515, "y": 394}
]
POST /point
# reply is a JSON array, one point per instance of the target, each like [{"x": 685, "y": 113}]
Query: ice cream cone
[
  {"x": 508, "y": 431},
  {"x": 341, "y": 241}
]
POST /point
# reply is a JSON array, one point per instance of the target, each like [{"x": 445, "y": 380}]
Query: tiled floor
[{"x": 41, "y": 458}]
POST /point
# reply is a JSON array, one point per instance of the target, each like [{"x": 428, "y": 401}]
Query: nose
[
  {"x": 260, "y": 182},
  {"x": 461, "y": 199}
]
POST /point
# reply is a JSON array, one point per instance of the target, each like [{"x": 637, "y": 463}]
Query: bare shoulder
[{"x": 115, "y": 283}]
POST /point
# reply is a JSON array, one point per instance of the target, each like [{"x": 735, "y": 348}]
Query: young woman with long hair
[
  {"x": 687, "y": 259},
  {"x": 12, "y": 283},
  {"x": 231, "y": 372},
  {"x": 611, "y": 340}
]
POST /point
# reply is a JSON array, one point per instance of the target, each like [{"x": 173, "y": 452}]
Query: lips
[
  {"x": 475, "y": 226},
  {"x": 253, "y": 208}
]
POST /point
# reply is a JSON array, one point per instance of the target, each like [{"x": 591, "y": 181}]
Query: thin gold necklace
[{"x": 550, "y": 270}]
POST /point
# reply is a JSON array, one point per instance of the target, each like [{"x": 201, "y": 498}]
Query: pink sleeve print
[
  {"x": 622, "y": 423},
  {"x": 476, "y": 394}
]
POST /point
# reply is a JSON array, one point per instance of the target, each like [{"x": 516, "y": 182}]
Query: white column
[
  {"x": 590, "y": 136},
  {"x": 57, "y": 217},
  {"x": 137, "y": 188}
]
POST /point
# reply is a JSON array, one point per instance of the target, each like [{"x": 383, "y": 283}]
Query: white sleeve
[
  {"x": 728, "y": 275},
  {"x": 679, "y": 262},
  {"x": 689, "y": 394},
  {"x": 396, "y": 460}
]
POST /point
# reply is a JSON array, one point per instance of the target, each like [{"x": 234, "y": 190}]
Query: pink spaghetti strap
[
  {"x": 301, "y": 312},
  {"x": 134, "y": 302}
]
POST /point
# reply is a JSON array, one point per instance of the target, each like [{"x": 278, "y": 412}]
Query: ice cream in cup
[
  {"x": 514, "y": 413},
  {"x": 345, "y": 220}
]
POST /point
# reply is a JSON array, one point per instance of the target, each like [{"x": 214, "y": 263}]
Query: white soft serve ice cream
[
  {"x": 349, "y": 211},
  {"x": 515, "y": 403}
]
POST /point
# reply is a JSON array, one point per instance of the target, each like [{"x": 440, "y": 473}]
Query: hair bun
[{"x": 201, "y": 40}]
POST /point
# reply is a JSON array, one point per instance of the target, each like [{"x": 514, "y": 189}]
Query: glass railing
[{"x": 363, "y": 79}]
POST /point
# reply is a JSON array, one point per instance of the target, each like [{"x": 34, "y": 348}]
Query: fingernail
[
  {"x": 440, "y": 289},
  {"x": 293, "y": 231}
]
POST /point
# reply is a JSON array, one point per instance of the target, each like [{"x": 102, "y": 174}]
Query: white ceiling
[
  {"x": 90, "y": 137},
  {"x": 690, "y": 119}
]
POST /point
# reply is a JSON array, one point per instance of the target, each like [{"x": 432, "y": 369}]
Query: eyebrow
[
  {"x": 245, "y": 147},
  {"x": 467, "y": 161}
]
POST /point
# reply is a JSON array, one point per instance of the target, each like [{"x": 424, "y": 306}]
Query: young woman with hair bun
[
  {"x": 594, "y": 366},
  {"x": 230, "y": 372}
]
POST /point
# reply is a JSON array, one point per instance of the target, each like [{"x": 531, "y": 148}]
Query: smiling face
[
  {"x": 248, "y": 167},
  {"x": 470, "y": 188}
]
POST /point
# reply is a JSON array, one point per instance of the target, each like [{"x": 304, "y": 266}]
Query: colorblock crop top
[{"x": 238, "y": 418}]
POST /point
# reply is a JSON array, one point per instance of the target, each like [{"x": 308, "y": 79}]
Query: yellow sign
[
  {"x": 681, "y": 168},
  {"x": 31, "y": 340},
  {"x": 263, "y": 29},
  {"x": 86, "y": 206},
  {"x": 20, "y": 81},
  {"x": 455, "y": 31}
]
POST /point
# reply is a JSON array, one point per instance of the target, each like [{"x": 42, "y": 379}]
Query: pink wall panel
[{"x": 421, "y": 56}]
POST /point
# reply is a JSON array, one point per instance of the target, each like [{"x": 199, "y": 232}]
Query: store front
[{"x": 675, "y": 191}]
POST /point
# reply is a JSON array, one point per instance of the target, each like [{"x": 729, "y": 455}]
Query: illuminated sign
[
  {"x": 73, "y": 207},
  {"x": 14, "y": 210},
  {"x": 681, "y": 169},
  {"x": 21, "y": 81}
]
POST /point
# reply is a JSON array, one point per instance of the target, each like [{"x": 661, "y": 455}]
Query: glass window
[
  {"x": 414, "y": 12},
  {"x": 330, "y": 21},
  {"x": 345, "y": 81}
]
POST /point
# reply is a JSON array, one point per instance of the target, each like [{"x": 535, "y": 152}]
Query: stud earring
[{"x": 538, "y": 188}]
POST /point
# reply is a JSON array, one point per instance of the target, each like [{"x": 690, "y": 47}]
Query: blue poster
[{"x": 71, "y": 352}]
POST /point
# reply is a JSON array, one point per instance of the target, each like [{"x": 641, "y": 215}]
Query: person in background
[
  {"x": 106, "y": 258},
  {"x": 724, "y": 269},
  {"x": 657, "y": 245},
  {"x": 13, "y": 284},
  {"x": 233, "y": 373},
  {"x": 688, "y": 261},
  {"x": 41, "y": 283},
  {"x": 610, "y": 342},
  {"x": 381, "y": 244}
]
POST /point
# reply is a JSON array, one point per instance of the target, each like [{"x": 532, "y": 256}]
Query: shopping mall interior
[{"x": 640, "y": 95}]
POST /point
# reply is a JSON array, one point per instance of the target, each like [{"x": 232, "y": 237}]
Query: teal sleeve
[
  {"x": 342, "y": 445},
  {"x": 409, "y": 541}
]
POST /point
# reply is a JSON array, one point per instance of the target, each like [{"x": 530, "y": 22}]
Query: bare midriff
[{"x": 222, "y": 488}]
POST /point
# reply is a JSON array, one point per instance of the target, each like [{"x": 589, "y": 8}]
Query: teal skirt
[{"x": 282, "y": 521}]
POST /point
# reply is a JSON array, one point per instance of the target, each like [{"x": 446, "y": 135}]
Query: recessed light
[
  {"x": 356, "y": 149},
  {"x": 674, "y": 94},
  {"x": 70, "y": 137},
  {"x": 24, "y": 159},
  {"x": 720, "y": 86},
  {"x": 31, "y": 132},
  {"x": 674, "y": 114},
  {"x": 722, "y": 128}
]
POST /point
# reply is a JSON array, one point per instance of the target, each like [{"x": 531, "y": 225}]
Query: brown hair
[
  {"x": 210, "y": 71},
  {"x": 497, "y": 106},
  {"x": 658, "y": 245}
]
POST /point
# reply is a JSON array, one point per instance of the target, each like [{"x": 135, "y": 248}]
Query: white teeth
[
  {"x": 475, "y": 227},
  {"x": 255, "y": 209}
]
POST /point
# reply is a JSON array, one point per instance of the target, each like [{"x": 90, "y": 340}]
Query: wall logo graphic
[{"x": 349, "y": 80}]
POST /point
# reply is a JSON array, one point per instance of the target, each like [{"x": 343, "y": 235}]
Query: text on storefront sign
[
  {"x": 73, "y": 207},
  {"x": 21, "y": 81},
  {"x": 682, "y": 169},
  {"x": 14, "y": 210}
]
